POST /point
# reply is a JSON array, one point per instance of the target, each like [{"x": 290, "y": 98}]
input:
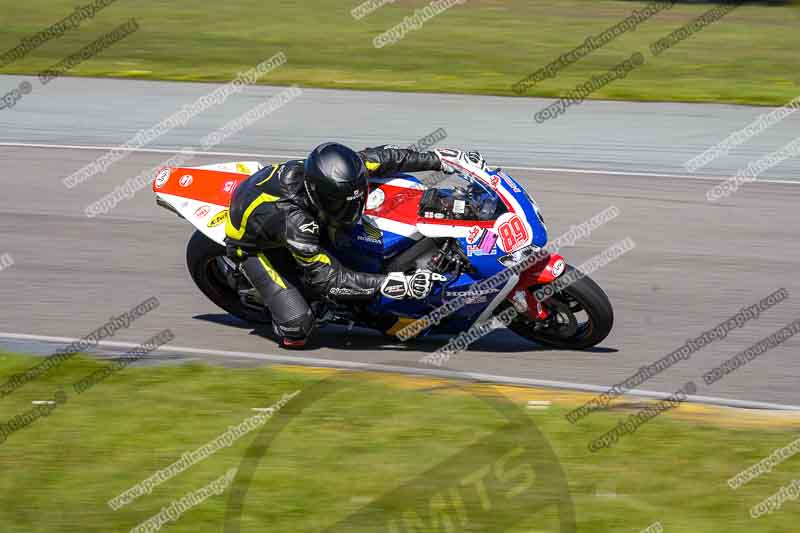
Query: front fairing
[
  {"x": 518, "y": 196},
  {"x": 516, "y": 223}
]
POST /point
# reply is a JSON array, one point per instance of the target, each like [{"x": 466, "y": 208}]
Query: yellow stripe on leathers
[
  {"x": 319, "y": 258},
  {"x": 371, "y": 165},
  {"x": 271, "y": 272},
  {"x": 262, "y": 182},
  {"x": 238, "y": 233}
]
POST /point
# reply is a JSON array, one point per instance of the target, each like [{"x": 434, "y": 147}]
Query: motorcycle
[{"x": 468, "y": 232}]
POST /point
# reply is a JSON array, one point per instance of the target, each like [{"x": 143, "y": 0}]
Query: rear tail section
[{"x": 202, "y": 195}]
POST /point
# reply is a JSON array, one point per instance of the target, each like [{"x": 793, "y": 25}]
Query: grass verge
[
  {"x": 479, "y": 47},
  {"x": 370, "y": 451}
]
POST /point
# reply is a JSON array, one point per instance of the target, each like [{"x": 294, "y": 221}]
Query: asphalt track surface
[{"x": 695, "y": 264}]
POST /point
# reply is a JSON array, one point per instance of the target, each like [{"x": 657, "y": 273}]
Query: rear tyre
[
  {"x": 219, "y": 281},
  {"x": 581, "y": 317}
]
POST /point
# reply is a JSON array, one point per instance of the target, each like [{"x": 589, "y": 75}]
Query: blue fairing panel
[
  {"x": 528, "y": 205},
  {"x": 366, "y": 252}
]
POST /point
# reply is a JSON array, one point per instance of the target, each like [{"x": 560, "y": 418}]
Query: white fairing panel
[
  {"x": 242, "y": 167},
  {"x": 208, "y": 218},
  {"x": 443, "y": 230}
]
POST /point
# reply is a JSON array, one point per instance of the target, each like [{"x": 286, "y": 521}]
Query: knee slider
[{"x": 299, "y": 327}]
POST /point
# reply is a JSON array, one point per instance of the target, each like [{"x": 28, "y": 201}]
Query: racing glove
[
  {"x": 453, "y": 160},
  {"x": 415, "y": 285}
]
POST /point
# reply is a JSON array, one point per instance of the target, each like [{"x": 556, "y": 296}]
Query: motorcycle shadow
[{"x": 362, "y": 339}]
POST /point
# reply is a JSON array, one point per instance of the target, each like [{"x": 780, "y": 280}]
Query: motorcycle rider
[{"x": 278, "y": 215}]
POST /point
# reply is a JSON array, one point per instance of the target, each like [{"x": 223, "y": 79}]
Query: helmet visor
[{"x": 350, "y": 213}]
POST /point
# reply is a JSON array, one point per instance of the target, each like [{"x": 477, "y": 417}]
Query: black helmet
[{"x": 336, "y": 182}]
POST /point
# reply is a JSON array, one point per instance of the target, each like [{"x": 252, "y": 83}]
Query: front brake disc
[{"x": 562, "y": 320}]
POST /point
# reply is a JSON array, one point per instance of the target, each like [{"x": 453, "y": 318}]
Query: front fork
[{"x": 541, "y": 273}]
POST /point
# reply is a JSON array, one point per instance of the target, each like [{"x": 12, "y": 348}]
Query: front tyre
[
  {"x": 581, "y": 316},
  {"x": 216, "y": 277}
]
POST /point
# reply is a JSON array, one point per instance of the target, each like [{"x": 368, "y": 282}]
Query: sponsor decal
[
  {"x": 394, "y": 290},
  {"x": 371, "y": 240},
  {"x": 494, "y": 181},
  {"x": 474, "y": 249},
  {"x": 202, "y": 211},
  {"x": 344, "y": 291},
  {"x": 186, "y": 180},
  {"x": 475, "y": 234},
  {"x": 229, "y": 186},
  {"x": 375, "y": 199},
  {"x": 488, "y": 241},
  {"x": 358, "y": 194},
  {"x": 483, "y": 293},
  {"x": 509, "y": 182},
  {"x": 241, "y": 167},
  {"x": 372, "y": 231},
  {"x": 512, "y": 231},
  {"x": 310, "y": 227},
  {"x": 558, "y": 267},
  {"x": 474, "y": 296},
  {"x": 478, "y": 299},
  {"x": 218, "y": 219},
  {"x": 162, "y": 178}
]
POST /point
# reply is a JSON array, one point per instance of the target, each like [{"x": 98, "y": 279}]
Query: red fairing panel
[
  {"x": 209, "y": 186},
  {"x": 399, "y": 204},
  {"x": 545, "y": 271}
]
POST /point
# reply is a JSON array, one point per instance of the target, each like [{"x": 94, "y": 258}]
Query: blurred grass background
[
  {"x": 353, "y": 446},
  {"x": 480, "y": 47}
]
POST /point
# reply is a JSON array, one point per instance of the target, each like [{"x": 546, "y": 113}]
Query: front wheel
[
  {"x": 221, "y": 282},
  {"x": 580, "y": 317}
]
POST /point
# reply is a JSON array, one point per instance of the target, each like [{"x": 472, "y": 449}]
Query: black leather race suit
[{"x": 274, "y": 227}]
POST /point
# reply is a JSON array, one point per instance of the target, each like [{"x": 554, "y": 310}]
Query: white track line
[
  {"x": 143, "y": 150},
  {"x": 643, "y": 174},
  {"x": 423, "y": 371},
  {"x": 295, "y": 156}
]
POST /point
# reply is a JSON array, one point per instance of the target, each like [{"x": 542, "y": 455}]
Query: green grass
[
  {"x": 480, "y": 47},
  {"x": 348, "y": 450}
]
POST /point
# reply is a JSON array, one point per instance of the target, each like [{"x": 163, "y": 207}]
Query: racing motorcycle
[{"x": 467, "y": 232}]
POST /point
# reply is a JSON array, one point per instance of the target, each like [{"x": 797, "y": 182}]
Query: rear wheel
[
  {"x": 580, "y": 317},
  {"x": 217, "y": 277}
]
